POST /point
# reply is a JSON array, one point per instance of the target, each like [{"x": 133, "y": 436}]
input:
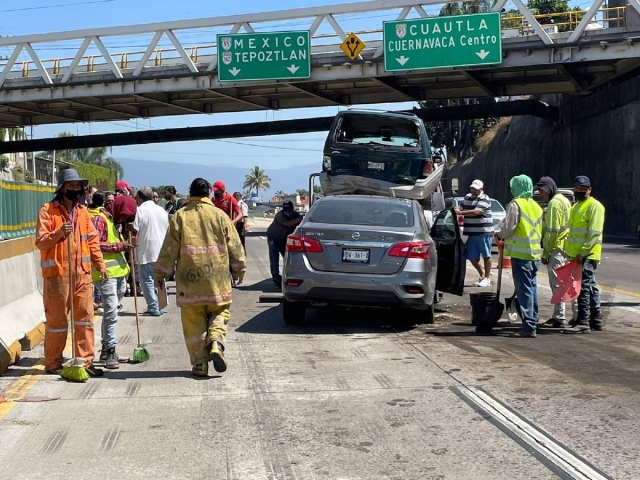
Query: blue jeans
[
  {"x": 145, "y": 273},
  {"x": 524, "y": 279},
  {"x": 112, "y": 292},
  {"x": 276, "y": 250},
  {"x": 589, "y": 299}
]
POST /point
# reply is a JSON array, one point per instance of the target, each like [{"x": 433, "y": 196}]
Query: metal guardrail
[
  {"x": 19, "y": 206},
  {"x": 192, "y": 57}
]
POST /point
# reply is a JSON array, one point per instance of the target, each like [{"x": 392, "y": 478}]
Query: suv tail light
[
  {"x": 427, "y": 168},
  {"x": 460, "y": 220},
  {"x": 410, "y": 250},
  {"x": 296, "y": 243}
]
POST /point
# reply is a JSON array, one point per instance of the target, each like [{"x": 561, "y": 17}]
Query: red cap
[
  {"x": 219, "y": 185},
  {"x": 122, "y": 184}
]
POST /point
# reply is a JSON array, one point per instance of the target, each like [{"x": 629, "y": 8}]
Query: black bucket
[{"x": 482, "y": 311}]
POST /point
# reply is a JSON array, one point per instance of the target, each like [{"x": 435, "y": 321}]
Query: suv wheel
[{"x": 293, "y": 313}]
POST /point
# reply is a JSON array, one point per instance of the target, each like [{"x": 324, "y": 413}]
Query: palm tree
[
  {"x": 280, "y": 193},
  {"x": 257, "y": 179}
]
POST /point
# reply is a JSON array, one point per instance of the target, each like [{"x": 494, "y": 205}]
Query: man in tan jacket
[{"x": 204, "y": 243}]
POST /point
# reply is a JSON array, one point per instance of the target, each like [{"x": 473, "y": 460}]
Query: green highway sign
[
  {"x": 264, "y": 56},
  {"x": 440, "y": 42}
]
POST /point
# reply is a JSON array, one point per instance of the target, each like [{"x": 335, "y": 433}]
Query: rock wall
[{"x": 598, "y": 136}]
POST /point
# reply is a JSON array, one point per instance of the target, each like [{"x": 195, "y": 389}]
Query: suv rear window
[{"x": 363, "y": 212}]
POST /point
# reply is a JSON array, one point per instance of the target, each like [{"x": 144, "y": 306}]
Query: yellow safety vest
[
  {"x": 116, "y": 262},
  {"x": 586, "y": 223},
  {"x": 525, "y": 242}
]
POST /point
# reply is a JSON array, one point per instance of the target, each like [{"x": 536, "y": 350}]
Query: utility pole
[{"x": 33, "y": 156}]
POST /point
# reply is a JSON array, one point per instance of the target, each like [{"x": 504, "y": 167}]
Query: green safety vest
[
  {"x": 586, "y": 223},
  {"x": 525, "y": 242},
  {"x": 555, "y": 229},
  {"x": 116, "y": 262}
]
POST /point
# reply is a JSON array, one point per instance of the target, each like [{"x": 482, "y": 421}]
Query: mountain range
[{"x": 140, "y": 173}]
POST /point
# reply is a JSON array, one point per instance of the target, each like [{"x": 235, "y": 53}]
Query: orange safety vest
[{"x": 54, "y": 261}]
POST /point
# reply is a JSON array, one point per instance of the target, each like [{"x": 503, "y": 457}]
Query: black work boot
[{"x": 112, "y": 362}]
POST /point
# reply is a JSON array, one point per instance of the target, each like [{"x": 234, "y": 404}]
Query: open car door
[{"x": 451, "y": 257}]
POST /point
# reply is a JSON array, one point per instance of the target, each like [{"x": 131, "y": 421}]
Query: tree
[
  {"x": 94, "y": 156},
  {"x": 302, "y": 192},
  {"x": 257, "y": 179},
  {"x": 12, "y": 134},
  {"x": 458, "y": 136},
  {"x": 317, "y": 189},
  {"x": 549, "y": 7},
  {"x": 4, "y": 162},
  {"x": 280, "y": 193}
]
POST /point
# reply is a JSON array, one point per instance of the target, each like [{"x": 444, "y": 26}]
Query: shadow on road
[
  {"x": 620, "y": 304},
  {"x": 124, "y": 374},
  {"x": 265, "y": 285},
  {"x": 326, "y": 321}
]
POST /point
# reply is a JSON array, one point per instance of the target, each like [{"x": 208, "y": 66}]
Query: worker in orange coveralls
[{"x": 61, "y": 220}]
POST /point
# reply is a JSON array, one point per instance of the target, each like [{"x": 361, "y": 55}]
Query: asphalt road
[
  {"x": 350, "y": 395},
  {"x": 620, "y": 267}
]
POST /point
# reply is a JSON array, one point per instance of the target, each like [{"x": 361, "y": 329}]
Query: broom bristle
[
  {"x": 74, "y": 373},
  {"x": 140, "y": 355}
]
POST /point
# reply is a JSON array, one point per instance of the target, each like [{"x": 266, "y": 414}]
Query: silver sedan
[{"x": 369, "y": 251}]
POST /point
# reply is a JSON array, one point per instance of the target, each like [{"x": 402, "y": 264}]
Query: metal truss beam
[
  {"x": 166, "y": 100},
  {"x": 412, "y": 93},
  {"x": 473, "y": 78},
  {"x": 232, "y": 93},
  {"x": 316, "y": 15},
  {"x": 105, "y": 108},
  {"x": 331, "y": 97},
  {"x": 36, "y": 110}
]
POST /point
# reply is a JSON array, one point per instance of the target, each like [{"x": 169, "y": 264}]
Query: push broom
[
  {"x": 140, "y": 353},
  {"x": 73, "y": 370}
]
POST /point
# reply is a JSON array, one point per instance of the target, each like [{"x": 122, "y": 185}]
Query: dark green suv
[{"x": 391, "y": 147}]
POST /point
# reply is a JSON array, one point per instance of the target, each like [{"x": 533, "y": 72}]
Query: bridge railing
[
  {"x": 199, "y": 58},
  {"x": 19, "y": 206}
]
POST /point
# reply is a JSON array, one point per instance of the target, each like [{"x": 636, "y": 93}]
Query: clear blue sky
[{"x": 40, "y": 16}]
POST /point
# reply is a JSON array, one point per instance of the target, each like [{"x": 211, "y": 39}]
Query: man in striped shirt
[{"x": 478, "y": 226}]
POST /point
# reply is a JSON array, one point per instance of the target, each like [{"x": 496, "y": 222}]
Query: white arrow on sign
[
  {"x": 402, "y": 60},
  {"x": 293, "y": 69},
  {"x": 482, "y": 54},
  {"x": 234, "y": 71}
]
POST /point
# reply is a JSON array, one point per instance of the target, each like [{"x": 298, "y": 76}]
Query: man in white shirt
[
  {"x": 150, "y": 226},
  {"x": 241, "y": 226}
]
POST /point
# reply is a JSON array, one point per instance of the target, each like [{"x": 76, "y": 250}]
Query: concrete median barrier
[{"x": 21, "y": 309}]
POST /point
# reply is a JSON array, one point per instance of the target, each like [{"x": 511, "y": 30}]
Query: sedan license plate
[
  {"x": 375, "y": 166},
  {"x": 355, "y": 256}
]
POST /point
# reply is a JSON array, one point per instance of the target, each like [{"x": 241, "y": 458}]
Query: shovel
[{"x": 497, "y": 308}]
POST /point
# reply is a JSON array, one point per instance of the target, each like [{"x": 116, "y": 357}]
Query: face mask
[
  {"x": 580, "y": 196},
  {"x": 167, "y": 196},
  {"x": 218, "y": 194},
  {"x": 73, "y": 195}
]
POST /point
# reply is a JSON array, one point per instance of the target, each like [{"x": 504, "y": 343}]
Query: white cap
[{"x": 477, "y": 184}]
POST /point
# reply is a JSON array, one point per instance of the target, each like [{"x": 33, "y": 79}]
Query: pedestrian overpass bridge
[{"x": 103, "y": 80}]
